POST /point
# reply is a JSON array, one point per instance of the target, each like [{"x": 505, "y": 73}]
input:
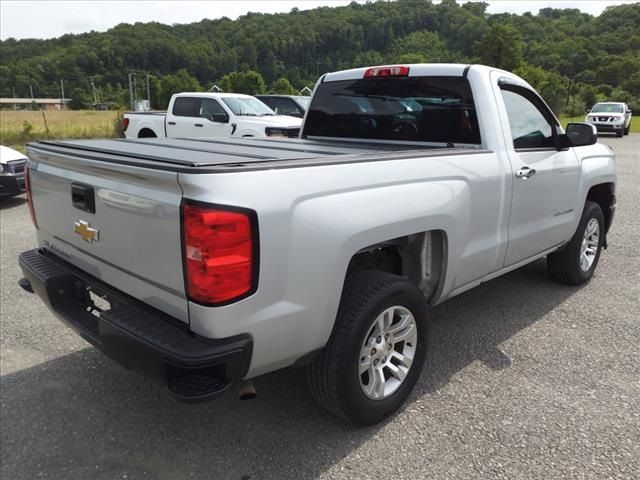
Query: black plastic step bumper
[{"x": 134, "y": 334}]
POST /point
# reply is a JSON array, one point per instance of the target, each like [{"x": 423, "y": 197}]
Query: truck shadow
[
  {"x": 12, "y": 201},
  {"x": 81, "y": 416}
]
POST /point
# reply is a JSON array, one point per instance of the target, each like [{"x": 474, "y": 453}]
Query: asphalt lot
[{"x": 525, "y": 379}]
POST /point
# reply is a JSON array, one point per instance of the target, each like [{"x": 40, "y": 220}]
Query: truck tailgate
[{"x": 119, "y": 223}]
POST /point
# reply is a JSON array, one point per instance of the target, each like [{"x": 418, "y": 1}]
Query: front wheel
[
  {"x": 628, "y": 129},
  {"x": 576, "y": 262},
  {"x": 376, "y": 351}
]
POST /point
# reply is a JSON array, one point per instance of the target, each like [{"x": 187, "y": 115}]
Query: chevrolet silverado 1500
[
  {"x": 211, "y": 115},
  {"x": 204, "y": 263}
]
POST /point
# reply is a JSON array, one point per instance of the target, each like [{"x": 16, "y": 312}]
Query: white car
[
  {"x": 610, "y": 117},
  {"x": 211, "y": 115},
  {"x": 12, "y": 164}
]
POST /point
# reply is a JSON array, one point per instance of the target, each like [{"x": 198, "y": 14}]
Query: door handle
[
  {"x": 198, "y": 124},
  {"x": 172, "y": 123},
  {"x": 525, "y": 172}
]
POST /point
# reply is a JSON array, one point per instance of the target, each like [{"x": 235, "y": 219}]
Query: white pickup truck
[
  {"x": 204, "y": 263},
  {"x": 211, "y": 115}
]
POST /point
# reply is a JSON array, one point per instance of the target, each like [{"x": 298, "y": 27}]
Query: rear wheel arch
[
  {"x": 146, "y": 133},
  {"x": 419, "y": 257}
]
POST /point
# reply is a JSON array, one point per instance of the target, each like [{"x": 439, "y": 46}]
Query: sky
[{"x": 49, "y": 18}]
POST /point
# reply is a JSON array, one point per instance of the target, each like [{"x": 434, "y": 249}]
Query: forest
[{"x": 574, "y": 59}]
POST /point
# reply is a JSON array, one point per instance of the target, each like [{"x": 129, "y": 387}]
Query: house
[{"x": 26, "y": 103}]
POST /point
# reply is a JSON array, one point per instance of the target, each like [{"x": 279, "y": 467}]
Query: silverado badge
[{"x": 87, "y": 233}]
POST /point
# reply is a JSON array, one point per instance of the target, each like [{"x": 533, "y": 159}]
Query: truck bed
[{"x": 230, "y": 155}]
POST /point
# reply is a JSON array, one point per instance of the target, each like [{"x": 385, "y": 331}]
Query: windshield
[
  {"x": 247, "y": 106},
  {"x": 422, "y": 109},
  {"x": 608, "y": 108}
]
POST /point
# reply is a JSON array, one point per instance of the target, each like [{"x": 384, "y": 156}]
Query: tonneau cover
[{"x": 230, "y": 153}]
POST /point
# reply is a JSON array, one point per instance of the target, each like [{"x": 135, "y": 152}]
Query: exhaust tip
[{"x": 246, "y": 390}]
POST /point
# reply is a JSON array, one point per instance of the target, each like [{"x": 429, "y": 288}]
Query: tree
[
  {"x": 248, "y": 82},
  {"x": 550, "y": 85},
  {"x": 500, "y": 47},
  {"x": 419, "y": 47},
  {"x": 79, "y": 99},
  {"x": 170, "y": 84},
  {"x": 283, "y": 87}
]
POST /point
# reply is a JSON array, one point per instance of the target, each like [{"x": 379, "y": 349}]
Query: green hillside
[{"x": 573, "y": 58}]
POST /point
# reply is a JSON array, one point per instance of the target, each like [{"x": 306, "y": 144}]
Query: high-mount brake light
[
  {"x": 220, "y": 253},
  {"x": 27, "y": 187},
  {"x": 390, "y": 71}
]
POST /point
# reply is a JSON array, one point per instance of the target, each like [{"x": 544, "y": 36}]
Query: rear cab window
[
  {"x": 436, "y": 109},
  {"x": 186, "y": 107}
]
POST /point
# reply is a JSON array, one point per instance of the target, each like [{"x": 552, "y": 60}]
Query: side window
[
  {"x": 211, "y": 109},
  {"x": 529, "y": 127},
  {"x": 186, "y": 107},
  {"x": 286, "y": 106},
  {"x": 269, "y": 101}
]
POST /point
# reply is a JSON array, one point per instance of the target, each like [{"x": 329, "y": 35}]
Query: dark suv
[{"x": 292, "y": 105}]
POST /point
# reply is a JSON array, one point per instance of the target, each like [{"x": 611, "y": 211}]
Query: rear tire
[
  {"x": 362, "y": 353},
  {"x": 576, "y": 262}
]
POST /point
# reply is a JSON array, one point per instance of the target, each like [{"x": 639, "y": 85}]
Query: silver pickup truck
[{"x": 207, "y": 262}]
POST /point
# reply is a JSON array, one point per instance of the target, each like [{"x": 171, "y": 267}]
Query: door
[
  {"x": 545, "y": 187},
  {"x": 182, "y": 118},
  {"x": 212, "y": 121}
]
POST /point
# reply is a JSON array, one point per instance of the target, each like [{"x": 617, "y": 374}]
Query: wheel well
[
  {"x": 146, "y": 133},
  {"x": 418, "y": 257},
  {"x": 603, "y": 195}
]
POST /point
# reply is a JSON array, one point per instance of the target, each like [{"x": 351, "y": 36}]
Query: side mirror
[
  {"x": 582, "y": 134},
  {"x": 220, "y": 118},
  {"x": 587, "y": 110}
]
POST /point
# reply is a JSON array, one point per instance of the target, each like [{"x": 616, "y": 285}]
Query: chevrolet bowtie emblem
[{"x": 87, "y": 233}]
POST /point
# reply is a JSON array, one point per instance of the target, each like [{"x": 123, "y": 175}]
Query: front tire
[
  {"x": 628, "y": 129},
  {"x": 576, "y": 262},
  {"x": 376, "y": 351}
]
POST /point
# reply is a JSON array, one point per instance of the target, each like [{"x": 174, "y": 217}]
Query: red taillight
[
  {"x": 27, "y": 187},
  {"x": 390, "y": 71},
  {"x": 125, "y": 124},
  {"x": 219, "y": 253}
]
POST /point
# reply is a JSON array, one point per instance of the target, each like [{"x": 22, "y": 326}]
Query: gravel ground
[{"x": 526, "y": 379}]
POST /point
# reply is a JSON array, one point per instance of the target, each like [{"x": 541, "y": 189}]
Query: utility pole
[
  {"x": 130, "y": 92},
  {"x": 148, "y": 92},
  {"x": 62, "y": 91},
  {"x": 13, "y": 91},
  {"x": 31, "y": 90},
  {"x": 93, "y": 87},
  {"x": 135, "y": 91}
]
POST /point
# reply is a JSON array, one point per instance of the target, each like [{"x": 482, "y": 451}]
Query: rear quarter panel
[{"x": 313, "y": 220}]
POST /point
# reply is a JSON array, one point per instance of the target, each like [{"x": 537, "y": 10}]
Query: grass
[
  {"x": 635, "y": 122},
  {"x": 20, "y": 127}
]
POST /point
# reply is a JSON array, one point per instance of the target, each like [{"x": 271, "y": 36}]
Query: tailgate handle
[{"x": 83, "y": 198}]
